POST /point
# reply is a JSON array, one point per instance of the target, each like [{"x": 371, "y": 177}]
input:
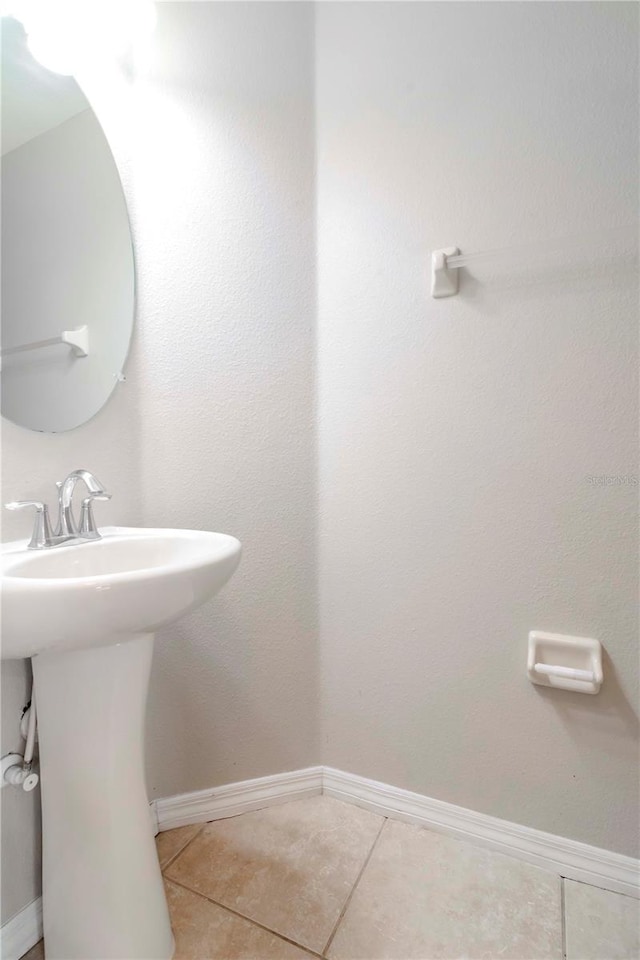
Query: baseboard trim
[
  {"x": 235, "y": 798},
  {"x": 569, "y": 858},
  {"x": 22, "y": 932}
]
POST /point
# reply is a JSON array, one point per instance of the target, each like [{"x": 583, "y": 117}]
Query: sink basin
[
  {"x": 86, "y": 614},
  {"x": 93, "y": 593}
]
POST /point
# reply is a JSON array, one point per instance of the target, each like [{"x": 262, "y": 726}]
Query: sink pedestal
[
  {"x": 86, "y": 613},
  {"x": 103, "y": 895}
]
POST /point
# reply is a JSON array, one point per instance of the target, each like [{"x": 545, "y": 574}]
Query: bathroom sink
[
  {"x": 88, "y": 594},
  {"x": 86, "y": 613}
]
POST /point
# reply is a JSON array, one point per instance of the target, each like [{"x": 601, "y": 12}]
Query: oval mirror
[{"x": 67, "y": 256}]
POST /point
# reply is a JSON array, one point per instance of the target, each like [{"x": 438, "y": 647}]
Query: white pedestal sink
[{"x": 86, "y": 614}]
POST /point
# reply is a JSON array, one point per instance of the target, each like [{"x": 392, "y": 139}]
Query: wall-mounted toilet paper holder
[{"x": 569, "y": 663}]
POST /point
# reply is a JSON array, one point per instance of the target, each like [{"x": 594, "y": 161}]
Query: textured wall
[
  {"x": 214, "y": 426},
  {"x": 456, "y": 436},
  {"x": 224, "y": 224}
]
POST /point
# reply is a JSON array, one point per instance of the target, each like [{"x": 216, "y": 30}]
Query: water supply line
[
  {"x": 31, "y": 723},
  {"x": 17, "y": 769}
]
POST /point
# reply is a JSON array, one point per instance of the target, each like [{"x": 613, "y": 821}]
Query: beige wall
[
  {"x": 213, "y": 428},
  {"x": 457, "y": 436},
  {"x": 224, "y": 204}
]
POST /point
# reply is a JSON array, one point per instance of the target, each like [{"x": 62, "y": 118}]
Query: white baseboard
[
  {"x": 235, "y": 798},
  {"x": 569, "y": 858},
  {"x": 22, "y": 932}
]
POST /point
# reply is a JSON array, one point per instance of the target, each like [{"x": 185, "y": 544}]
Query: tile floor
[{"x": 321, "y": 878}]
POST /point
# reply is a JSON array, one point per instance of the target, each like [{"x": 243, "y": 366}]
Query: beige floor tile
[
  {"x": 423, "y": 895},
  {"x": 36, "y": 953},
  {"x": 600, "y": 925},
  {"x": 170, "y": 842},
  {"x": 205, "y": 931},
  {"x": 290, "y": 867}
]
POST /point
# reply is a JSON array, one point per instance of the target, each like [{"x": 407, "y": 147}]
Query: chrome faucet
[
  {"x": 66, "y": 528},
  {"x": 41, "y": 536}
]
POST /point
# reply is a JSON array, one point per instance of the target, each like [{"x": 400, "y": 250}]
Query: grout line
[
  {"x": 353, "y": 889},
  {"x": 182, "y": 849},
  {"x": 563, "y": 922},
  {"x": 597, "y": 886},
  {"x": 242, "y": 916}
]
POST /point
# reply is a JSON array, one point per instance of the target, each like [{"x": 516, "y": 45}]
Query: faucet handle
[
  {"x": 88, "y": 529},
  {"x": 41, "y": 536}
]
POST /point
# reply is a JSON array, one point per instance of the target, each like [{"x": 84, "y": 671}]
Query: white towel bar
[{"x": 77, "y": 339}]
